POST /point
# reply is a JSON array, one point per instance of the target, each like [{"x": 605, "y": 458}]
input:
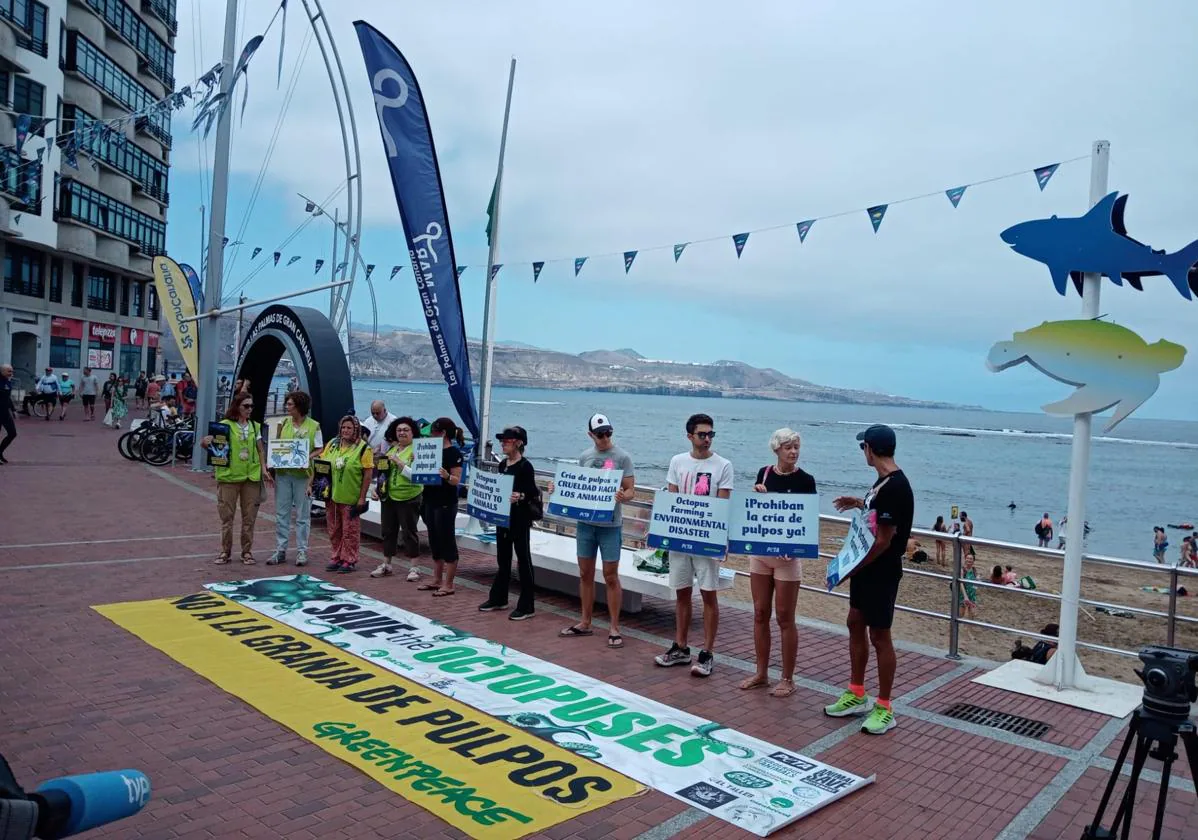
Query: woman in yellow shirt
[
  {"x": 352, "y": 467},
  {"x": 239, "y": 482}
]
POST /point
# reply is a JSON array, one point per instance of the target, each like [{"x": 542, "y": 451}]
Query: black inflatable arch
[{"x": 308, "y": 337}]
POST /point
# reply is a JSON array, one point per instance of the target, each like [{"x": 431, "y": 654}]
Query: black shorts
[
  {"x": 88, "y": 399},
  {"x": 874, "y": 592}
]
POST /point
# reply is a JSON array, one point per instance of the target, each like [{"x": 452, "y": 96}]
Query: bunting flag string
[
  {"x": 536, "y": 270},
  {"x": 739, "y": 240},
  {"x": 875, "y": 215},
  {"x": 678, "y": 249}
]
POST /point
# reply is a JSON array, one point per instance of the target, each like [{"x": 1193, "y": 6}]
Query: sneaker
[
  {"x": 413, "y": 576},
  {"x": 674, "y": 656},
  {"x": 301, "y": 559},
  {"x": 277, "y": 559},
  {"x": 384, "y": 570},
  {"x": 880, "y": 721},
  {"x": 520, "y": 615},
  {"x": 702, "y": 668},
  {"x": 489, "y": 607},
  {"x": 848, "y": 705},
  {"x": 335, "y": 566}
]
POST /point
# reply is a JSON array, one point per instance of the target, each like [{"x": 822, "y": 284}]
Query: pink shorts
[{"x": 779, "y": 568}]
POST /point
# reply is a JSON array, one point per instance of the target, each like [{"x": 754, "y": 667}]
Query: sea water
[{"x": 1144, "y": 474}]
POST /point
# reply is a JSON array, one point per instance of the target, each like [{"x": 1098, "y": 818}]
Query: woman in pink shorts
[{"x": 775, "y": 580}]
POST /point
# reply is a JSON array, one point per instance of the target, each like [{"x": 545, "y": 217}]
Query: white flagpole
[{"x": 486, "y": 374}]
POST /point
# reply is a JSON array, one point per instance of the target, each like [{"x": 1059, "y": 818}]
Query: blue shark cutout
[{"x": 1098, "y": 242}]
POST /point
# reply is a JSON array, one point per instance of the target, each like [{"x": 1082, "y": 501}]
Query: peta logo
[
  {"x": 384, "y": 101},
  {"x": 138, "y": 788}
]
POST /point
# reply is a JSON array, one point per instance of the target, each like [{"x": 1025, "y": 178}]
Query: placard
[
  {"x": 490, "y": 498},
  {"x": 774, "y": 524},
  {"x": 426, "y": 461},
  {"x": 689, "y": 524},
  {"x": 857, "y": 543},
  {"x": 288, "y": 453},
  {"x": 218, "y": 449},
  {"x": 587, "y": 494},
  {"x": 322, "y": 479}
]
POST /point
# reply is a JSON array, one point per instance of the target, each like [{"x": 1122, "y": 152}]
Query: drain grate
[{"x": 1014, "y": 724}]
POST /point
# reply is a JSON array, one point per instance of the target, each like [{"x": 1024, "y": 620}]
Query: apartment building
[{"x": 83, "y": 210}]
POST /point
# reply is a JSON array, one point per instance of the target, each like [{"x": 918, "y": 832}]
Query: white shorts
[{"x": 686, "y": 568}]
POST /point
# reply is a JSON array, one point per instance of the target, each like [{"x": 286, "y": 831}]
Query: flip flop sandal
[
  {"x": 754, "y": 682},
  {"x": 428, "y": 587},
  {"x": 784, "y": 688},
  {"x": 444, "y": 593},
  {"x": 615, "y": 641},
  {"x": 575, "y": 631}
]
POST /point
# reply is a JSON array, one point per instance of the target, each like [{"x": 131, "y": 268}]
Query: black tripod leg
[{"x": 1110, "y": 785}]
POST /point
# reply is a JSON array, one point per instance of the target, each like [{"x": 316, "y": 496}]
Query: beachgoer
[
  {"x": 400, "y": 498},
  {"x": 441, "y": 508},
  {"x": 602, "y": 539},
  {"x": 291, "y": 485},
  {"x": 873, "y": 585},
  {"x": 89, "y": 389},
  {"x": 353, "y": 465},
  {"x": 698, "y": 472},
  {"x": 8, "y": 410},
  {"x": 941, "y": 545},
  {"x": 1160, "y": 543},
  {"x": 774, "y": 581},
  {"x": 1043, "y": 530},
  {"x": 516, "y": 536},
  {"x": 375, "y": 428},
  {"x": 239, "y": 484},
  {"x": 66, "y": 393}
]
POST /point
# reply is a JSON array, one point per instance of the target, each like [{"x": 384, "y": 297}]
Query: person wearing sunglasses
[
  {"x": 238, "y": 482},
  {"x": 699, "y": 472}
]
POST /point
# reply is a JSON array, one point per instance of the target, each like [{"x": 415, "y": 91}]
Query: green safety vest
[
  {"x": 347, "y": 479},
  {"x": 248, "y": 468},
  {"x": 308, "y": 429},
  {"x": 400, "y": 489}
]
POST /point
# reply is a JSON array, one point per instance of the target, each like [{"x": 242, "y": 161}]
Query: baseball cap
[
  {"x": 880, "y": 438},
  {"x": 513, "y": 433},
  {"x": 599, "y": 423}
]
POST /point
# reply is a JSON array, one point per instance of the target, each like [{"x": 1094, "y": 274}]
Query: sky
[{"x": 636, "y": 126}]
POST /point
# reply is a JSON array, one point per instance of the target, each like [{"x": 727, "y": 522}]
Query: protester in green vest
[
  {"x": 291, "y": 485},
  {"x": 352, "y": 467},
  {"x": 240, "y": 482},
  {"x": 400, "y": 498}
]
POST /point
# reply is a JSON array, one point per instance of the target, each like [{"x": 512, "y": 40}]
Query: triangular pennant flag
[
  {"x": 461, "y": 268},
  {"x": 1044, "y": 174},
  {"x": 369, "y": 270},
  {"x": 278, "y": 254},
  {"x": 739, "y": 241},
  {"x": 954, "y": 195},
  {"x": 678, "y": 249},
  {"x": 876, "y": 214},
  {"x": 495, "y": 269},
  {"x": 319, "y": 266},
  {"x": 292, "y": 261},
  {"x": 254, "y": 255},
  {"x": 803, "y": 228},
  {"x": 394, "y": 270},
  {"x": 629, "y": 256},
  {"x": 536, "y": 270},
  {"x": 578, "y": 261}
]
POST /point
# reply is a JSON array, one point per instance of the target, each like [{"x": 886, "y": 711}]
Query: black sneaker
[
  {"x": 674, "y": 656},
  {"x": 489, "y": 607},
  {"x": 520, "y": 615},
  {"x": 702, "y": 668}
]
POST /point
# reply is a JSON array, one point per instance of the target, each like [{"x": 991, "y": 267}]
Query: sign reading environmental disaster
[
  {"x": 747, "y": 782},
  {"x": 490, "y": 498},
  {"x": 587, "y": 494},
  {"x": 689, "y": 524},
  {"x": 857, "y": 543},
  {"x": 426, "y": 461},
  {"x": 774, "y": 524}
]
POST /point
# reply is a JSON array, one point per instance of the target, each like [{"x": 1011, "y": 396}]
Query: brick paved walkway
[{"x": 80, "y": 526}]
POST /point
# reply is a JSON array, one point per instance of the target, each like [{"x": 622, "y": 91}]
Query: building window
[
  {"x": 28, "y": 97},
  {"x": 147, "y": 172},
  {"x": 23, "y": 272},
  {"x": 104, "y": 213},
  {"x": 55, "y": 280},
  {"x": 157, "y": 58},
  {"x": 138, "y": 299},
  {"x": 64, "y": 352},
  {"x": 89, "y": 61},
  {"x": 77, "y": 285},
  {"x": 101, "y": 290}
]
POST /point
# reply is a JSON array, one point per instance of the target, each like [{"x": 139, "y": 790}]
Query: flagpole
[
  {"x": 487, "y": 375},
  {"x": 210, "y": 327}
]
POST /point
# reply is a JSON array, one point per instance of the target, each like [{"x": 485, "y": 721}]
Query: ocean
[{"x": 1145, "y": 474}]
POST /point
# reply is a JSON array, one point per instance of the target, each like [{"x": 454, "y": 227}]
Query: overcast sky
[{"x": 638, "y": 125}]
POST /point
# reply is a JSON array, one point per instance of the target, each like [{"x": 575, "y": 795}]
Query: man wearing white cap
[{"x": 602, "y": 538}]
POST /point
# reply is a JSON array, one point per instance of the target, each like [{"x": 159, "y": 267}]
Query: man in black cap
[{"x": 873, "y": 585}]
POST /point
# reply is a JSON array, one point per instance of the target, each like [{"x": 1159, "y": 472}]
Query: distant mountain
[{"x": 406, "y": 355}]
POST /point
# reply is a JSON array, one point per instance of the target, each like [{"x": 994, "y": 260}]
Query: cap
[
  {"x": 599, "y": 423},
  {"x": 513, "y": 433},
  {"x": 880, "y": 438}
]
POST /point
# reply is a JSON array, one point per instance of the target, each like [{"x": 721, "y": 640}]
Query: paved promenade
[{"x": 80, "y": 526}]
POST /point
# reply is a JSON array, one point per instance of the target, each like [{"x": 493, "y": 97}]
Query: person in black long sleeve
[{"x": 516, "y": 535}]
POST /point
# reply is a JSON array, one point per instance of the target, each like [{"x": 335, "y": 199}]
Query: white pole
[
  {"x": 486, "y": 376},
  {"x": 210, "y": 327},
  {"x": 1068, "y": 669}
]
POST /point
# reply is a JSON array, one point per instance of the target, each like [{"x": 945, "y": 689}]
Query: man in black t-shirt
[{"x": 873, "y": 585}]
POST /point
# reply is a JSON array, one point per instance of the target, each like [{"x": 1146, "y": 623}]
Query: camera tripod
[{"x": 1152, "y": 736}]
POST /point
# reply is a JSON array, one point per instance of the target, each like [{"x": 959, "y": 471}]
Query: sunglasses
[{"x": 705, "y": 435}]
